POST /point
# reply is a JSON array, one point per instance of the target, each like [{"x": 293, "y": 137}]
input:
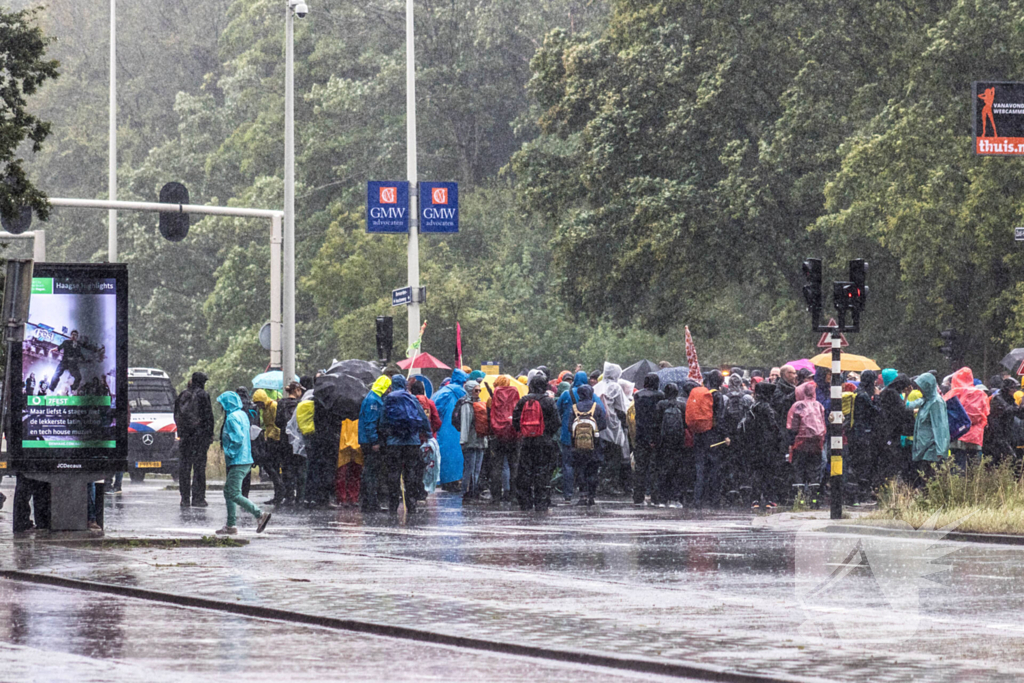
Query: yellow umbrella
[
  {"x": 489, "y": 382},
  {"x": 848, "y": 362}
]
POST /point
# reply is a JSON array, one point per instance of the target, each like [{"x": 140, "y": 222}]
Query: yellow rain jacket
[
  {"x": 304, "y": 417},
  {"x": 268, "y": 413},
  {"x": 348, "y": 449}
]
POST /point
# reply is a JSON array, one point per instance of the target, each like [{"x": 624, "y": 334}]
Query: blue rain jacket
[
  {"x": 234, "y": 438},
  {"x": 448, "y": 437}
]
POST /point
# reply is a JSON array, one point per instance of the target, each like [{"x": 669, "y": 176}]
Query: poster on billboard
[
  {"x": 69, "y": 406},
  {"x": 998, "y": 118}
]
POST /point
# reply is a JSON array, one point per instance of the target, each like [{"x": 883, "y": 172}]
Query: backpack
[
  {"x": 584, "y": 428},
  {"x": 502, "y": 404},
  {"x": 700, "y": 407},
  {"x": 457, "y": 413},
  {"x": 733, "y": 412},
  {"x": 402, "y": 412},
  {"x": 673, "y": 426},
  {"x": 480, "y": 422},
  {"x": 531, "y": 421},
  {"x": 188, "y": 417},
  {"x": 959, "y": 422}
]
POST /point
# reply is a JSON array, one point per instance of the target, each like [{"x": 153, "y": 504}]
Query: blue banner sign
[
  {"x": 387, "y": 206},
  {"x": 439, "y": 207}
]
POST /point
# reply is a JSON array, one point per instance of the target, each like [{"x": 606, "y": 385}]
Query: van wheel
[{"x": 137, "y": 477}]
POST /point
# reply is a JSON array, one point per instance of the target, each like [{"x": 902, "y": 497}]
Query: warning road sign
[{"x": 826, "y": 339}]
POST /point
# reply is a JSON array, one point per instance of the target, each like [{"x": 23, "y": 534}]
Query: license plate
[{"x": 155, "y": 463}]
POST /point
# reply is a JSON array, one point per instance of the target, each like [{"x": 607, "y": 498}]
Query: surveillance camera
[{"x": 300, "y": 9}]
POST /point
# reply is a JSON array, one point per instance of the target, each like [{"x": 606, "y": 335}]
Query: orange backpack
[
  {"x": 480, "y": 421},
  {"x": 700, "y": 411}
]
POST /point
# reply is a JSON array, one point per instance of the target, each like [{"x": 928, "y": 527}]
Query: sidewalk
[{"x": 645, "y": 582}]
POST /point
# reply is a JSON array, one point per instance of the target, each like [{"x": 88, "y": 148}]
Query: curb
[
  {"x": 960, "y": 536},
  {"x": 648, "y": 665}
]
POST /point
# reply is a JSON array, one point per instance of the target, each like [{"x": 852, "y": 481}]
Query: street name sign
[
  {"x": 408, "y": 295},
  {"x": 439, "y": 207},
  {"x": 998, "y": 119},
  {"x": 387, "y": 206},
  {"x": 401, "y": 297}
]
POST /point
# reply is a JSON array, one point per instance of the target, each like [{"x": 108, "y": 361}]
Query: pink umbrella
[
  {"x": 803, "y": 363},
  {"x": 423, "y": 360}
]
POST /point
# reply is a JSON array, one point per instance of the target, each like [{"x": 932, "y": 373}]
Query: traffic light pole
[
  {"x": 835, "y": 428},
  {"x": 278, "y": 357}
]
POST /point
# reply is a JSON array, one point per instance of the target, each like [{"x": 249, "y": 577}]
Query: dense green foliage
[
  {"x": 626, "y": 168},
  {"x": 23, "y": 70}
]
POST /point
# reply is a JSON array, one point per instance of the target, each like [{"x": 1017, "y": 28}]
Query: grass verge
[{"x": 982, "y": 499}]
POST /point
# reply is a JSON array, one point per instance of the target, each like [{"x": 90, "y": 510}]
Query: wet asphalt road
[{"x": 766, "y": 596}]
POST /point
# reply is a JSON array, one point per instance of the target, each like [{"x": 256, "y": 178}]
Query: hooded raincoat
[
  {"x": 931, "y": 428},
  {"x": 268, "y": 414},
  {"x": 565, "y": 401},
  {"x": 807, "y": 419},
  {"x": 371, "y": 410},
  {"x": 448, "y": 436},
  {"x": 609, "y": 390},
  {"x": 234, "y": 438},
  {"x": 975, "y": 403}
]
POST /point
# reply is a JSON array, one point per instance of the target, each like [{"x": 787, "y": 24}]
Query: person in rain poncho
[
  {"x": 448, "y": 436},
  {"x": 237, "y": 446},
  {"x": 975, "y": 403},
  {"x": 806, "y": 423},
  {"x": 371, "y": 443},
  {"x": 616, "y": 404},
  {"x": 564, "y": 405},
  {"x": 293, "y": 470},
  {"x": 274, "y": 459},
  {"x": 931, "y": 427}
]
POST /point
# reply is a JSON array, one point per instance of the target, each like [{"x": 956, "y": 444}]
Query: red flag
[
  {"x": 691, "y": 359},
  {"x": 458, "y": 342}
]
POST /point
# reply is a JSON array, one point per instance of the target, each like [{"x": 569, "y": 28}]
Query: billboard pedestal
[{"x": 69, "y": 498}]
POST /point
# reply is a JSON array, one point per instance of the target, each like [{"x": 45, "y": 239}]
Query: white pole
[
  {"x": 288, "y": 361},
  {"x": 112, "y": 178},
  {"x": 39, "y": 246},
  {"x": 275, "y": 294},
  {"x": 414, "y": 195}
]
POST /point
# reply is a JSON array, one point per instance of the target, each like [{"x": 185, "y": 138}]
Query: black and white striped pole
[{"x": 835, "y": 430}]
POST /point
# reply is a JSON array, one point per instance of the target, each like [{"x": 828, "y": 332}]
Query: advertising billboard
[
  {"x": 68, "y": 397},
  {"x": 998, "y": 118}
]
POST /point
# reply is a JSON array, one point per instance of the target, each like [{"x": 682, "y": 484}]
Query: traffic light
[
  {"x": 949, "y": 343},
  {"x": 812, "y": 290},
  {"x": 859, "y": 277},
  {"x": 174, "y": 226},
  {"x": 843, "y": 294},
  {"x": 385, "y": 337}
]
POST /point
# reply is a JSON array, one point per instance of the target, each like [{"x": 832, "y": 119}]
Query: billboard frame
[{"x": 77, "y": 460}]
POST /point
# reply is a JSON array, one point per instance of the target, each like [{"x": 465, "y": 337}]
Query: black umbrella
[
  {"x": 636, "y": 372},
  {"x": 363, "y": 370},
  {"x": 1012, "y": 360},
  {"x": 337, "y": 398},
  {"x": 674, "y": 375}
]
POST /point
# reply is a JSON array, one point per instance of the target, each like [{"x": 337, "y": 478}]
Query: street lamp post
[
  {"x": 112, "y": 168},
  {"x": 295, "y": 7},
  {"x": 414, "y": 194}
]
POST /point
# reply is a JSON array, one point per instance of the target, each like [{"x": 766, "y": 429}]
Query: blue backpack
[
  {"x": 959, "y": 422},
  {"x": 403, "y": 414}
]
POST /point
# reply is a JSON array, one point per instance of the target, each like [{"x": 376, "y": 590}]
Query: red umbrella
[{"x": 423, "y": 361}]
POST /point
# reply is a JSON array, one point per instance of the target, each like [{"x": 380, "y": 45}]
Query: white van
[{"x": 152, "y": 434}]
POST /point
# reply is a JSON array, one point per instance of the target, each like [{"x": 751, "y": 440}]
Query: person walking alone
[
  {"x": 193, "y": 416},
  {"x": 237, "y": 446}
]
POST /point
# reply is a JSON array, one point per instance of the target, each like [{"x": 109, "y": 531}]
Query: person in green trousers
[{"x": 235, "y": 441}]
